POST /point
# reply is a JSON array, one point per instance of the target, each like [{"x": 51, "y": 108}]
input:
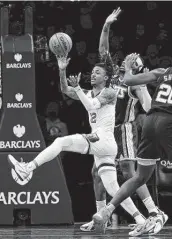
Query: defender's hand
[
  {"x": 113, "y": 16},
  {"x": 130, "y": 61}
]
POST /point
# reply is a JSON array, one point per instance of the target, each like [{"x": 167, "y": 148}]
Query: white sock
[
  {"x": 111, "y": 207},
  {"x": 150, "y": 205},
  {"x": 46, "y": 155},
  {"x": 100, "y": 204},
  {"x": 139, "y": 219},
  {"x": 31, "y": 166},
  {"x": 109, "y": 179}
]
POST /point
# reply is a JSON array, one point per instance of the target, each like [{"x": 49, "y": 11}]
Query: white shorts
[
  {"x": 105, "y": 146},
  {"x": 104, "y": 149},
  {"x": 78, "y": 143}
]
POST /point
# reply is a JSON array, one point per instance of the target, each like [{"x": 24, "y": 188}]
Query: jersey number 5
[
  {"x": 93, "y": 117},
  {"x": 165, "y": 94}
]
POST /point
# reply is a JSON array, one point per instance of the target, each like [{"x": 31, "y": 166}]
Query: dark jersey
[
  {"x": 125, "y": 106},
  {"x": 162, "y": 98}
]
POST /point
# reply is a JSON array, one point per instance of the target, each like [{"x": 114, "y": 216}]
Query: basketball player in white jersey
[
  {"x": 125, "y": 131},
  {"x": 100, "y": 104}
]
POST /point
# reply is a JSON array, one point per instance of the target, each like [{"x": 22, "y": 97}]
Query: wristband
[{"x": 77, "y": 88}]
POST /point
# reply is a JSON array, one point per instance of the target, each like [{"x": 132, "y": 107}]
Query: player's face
[
  {"x": 98, "y": 76},
  {"x": 137, "y": 66}
]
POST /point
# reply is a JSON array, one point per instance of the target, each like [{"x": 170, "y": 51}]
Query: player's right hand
[
  {"x": 63, "y": 62},
  {"x": 113, "y": 16}
]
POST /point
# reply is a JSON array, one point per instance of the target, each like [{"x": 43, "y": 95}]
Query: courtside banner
[
  {"x": 19, "y": 127},
  {"x": 18, "y": 72},
  {"x": 20, "y": 131},
  {"x": 44, "y": 192}
]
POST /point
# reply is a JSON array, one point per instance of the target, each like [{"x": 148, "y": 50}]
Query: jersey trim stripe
[
  {"x": 128, "y": 109},
  {"x": 129, "y": 140},
  {"x": 124, "y": 143}
]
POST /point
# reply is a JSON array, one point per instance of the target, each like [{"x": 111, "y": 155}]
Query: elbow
[
  {"x": 103, "y": 51},
  {"x": 64, "y": 90},
  {"x": 90, "y": 107}
]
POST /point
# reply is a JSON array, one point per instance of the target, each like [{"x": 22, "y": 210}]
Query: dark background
[{"x": 143, "y": 27}]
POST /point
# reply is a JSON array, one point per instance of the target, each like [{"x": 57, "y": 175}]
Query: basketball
[{"x": 60, "y": 44}]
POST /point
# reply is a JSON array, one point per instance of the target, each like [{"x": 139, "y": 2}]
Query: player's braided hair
[{"x": 107, "y": 64}]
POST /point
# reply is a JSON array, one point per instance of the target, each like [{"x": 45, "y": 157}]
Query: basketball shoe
[
  {"x": 140, "y": 229},
  {"x": 160, "y": 219},
  {"x": 19, "y": 167},
  {"x": 152, "y": 226},
  {"x": 100, "y": 219},
  {"x": 89, "y": 227}
]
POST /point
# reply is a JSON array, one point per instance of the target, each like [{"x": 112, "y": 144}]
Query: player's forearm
[
  {"x": 89, "y": 104},
  {"x": 63, "y": 81},
  {"x": 139, "y": 79},
  {"x": 146, "y": 104},
  {"x": 68, "y": 90},
  {"x": 104, "y": 39}
]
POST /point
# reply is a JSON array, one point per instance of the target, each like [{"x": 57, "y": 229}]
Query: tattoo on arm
[
  {"x": 108, "y": 96},
  {"x": 63, "y": 81},
  {"x": 106, "y": 28},
  {"x": 68, "y": 90},
  {"x": 71, "y": 93}
]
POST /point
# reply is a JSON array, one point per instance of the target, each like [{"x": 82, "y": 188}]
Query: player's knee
[
  {"x": 141, "y": 179},
  {"x": 109, "y": 179},
  {"x": 63, "y": 141},
  {"x": 128, "y": 174},
  {"x": 95, "y": 174},
  {"x": 128, "y": 169}
]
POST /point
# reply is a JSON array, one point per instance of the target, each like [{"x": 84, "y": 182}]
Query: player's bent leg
[
  {"x": 128, "y": 169},
  {"x": 74, "y": 143},
  {"x": 143, "y": 174},
  {"x": 99, "y": 189},
  {"x": 100, "y": 195},
  {"x": 107, "y": 172}
]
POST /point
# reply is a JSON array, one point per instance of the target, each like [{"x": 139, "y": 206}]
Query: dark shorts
[
  {"x": 156, "y": 139},
  {"x": 126, "y": 136}
]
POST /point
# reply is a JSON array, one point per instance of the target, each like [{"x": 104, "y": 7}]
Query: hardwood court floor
[{"x": 73, "y": 232}]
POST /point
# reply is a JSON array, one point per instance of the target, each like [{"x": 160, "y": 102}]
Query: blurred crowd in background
[{"x": 143, "y": 27}]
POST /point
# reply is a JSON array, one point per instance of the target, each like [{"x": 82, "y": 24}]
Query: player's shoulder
[{"x": 110, "y": 92}]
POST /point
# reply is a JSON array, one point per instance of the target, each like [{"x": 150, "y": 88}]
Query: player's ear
[{"x": 106, "y": 78}]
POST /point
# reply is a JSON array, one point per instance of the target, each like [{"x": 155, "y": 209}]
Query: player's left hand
[
  {"x": 74, "y": 80},
  {"x": 130, "y": 61},
  {"x": 113, "y": 16},
  {"x": 145, "y": 70}
]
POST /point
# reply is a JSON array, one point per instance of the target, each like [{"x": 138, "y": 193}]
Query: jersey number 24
[{"x": 165, "y": 94}]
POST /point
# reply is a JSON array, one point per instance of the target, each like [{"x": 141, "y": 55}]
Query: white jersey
[{"x": 103, "y": 118}]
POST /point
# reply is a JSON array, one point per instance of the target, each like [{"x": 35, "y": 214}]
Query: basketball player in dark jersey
[
  {"x": 156, "y": 140},
  {"x": 125, "y": 131}
]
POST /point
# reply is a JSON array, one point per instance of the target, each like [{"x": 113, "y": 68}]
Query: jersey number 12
[{"x": 93, "y": 117}]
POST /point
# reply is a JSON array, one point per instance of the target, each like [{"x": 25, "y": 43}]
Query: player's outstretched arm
[
  {"x": 142, "y": 78},
  {"x": 104, "y": 37},
  {"x": 88, "y": 103},
  {"x": 107, "y": 96},
  {"x": 65, "y": 88}
]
